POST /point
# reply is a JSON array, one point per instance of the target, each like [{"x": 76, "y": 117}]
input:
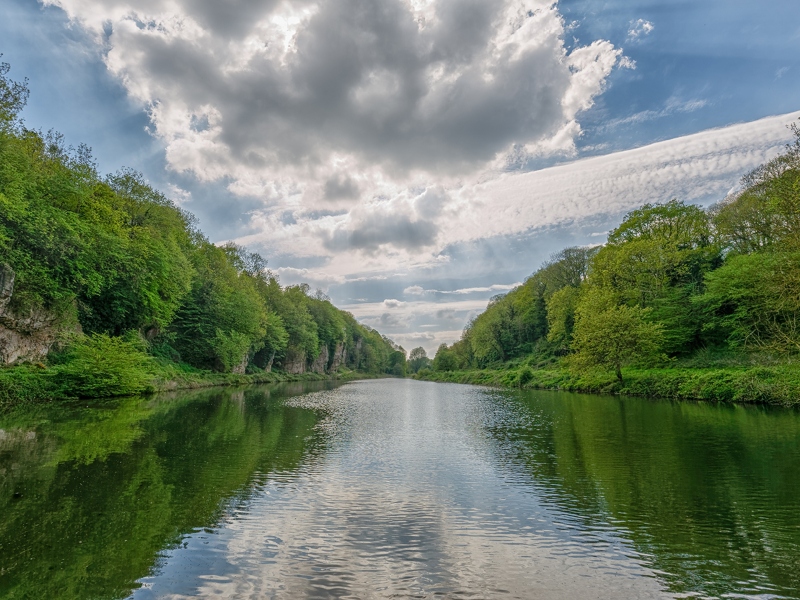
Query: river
[{"x": 399, "y": 489}]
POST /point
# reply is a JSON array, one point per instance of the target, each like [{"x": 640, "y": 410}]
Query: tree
[
  {"x": 611, "y": 335},
  {"x": 444, "y": 360},
  {"x": 418, "y": 359},
  {"x": 13, "y": 96},
  {"x": 561, "y": 316}
]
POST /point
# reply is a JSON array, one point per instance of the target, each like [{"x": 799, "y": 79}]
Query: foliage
[
  {"x": 99, "y": 365},
  {"x": 445, "y": 359},
  {"x": 611, "y": 335},
  {"x": 418, "y": 359}
]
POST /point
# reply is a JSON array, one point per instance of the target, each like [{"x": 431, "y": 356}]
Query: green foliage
[
  {"x": 418, "y": 359},
  {"x": 445, "y": 359},
  {"x": 754, "y": 300},
  {"x": 611, "y": 335},
  {"x": 561, "y": 316},
  {"x": 97, "y": 366}
]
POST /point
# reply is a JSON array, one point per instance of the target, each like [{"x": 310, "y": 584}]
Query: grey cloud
[
  {"x": 360, "y": 81},
  {"x": 447, "y": 314},
  {"x": 341, "y": 188},
  {"x": 388, "y": 321},
  {"x": 379, "y": 229}
]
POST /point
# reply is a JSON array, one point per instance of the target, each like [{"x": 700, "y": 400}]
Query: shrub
[{"x": 99, "y": 366}]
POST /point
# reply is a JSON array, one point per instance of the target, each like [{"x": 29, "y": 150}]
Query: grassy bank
[
  {"x": 774, "y": 384},
  {"x": 40, "y": 384}
]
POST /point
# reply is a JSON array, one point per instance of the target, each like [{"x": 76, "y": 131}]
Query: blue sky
[{"x": 413, "y": 157}]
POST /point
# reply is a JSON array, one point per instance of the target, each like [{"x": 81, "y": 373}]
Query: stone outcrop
[
  {"x": 26, "y": 335},
  {"x": 320, "y": 364},
  {"x": 242, "y": 366},
  {"x": 338, "y": 358},
  {"x": 295, "y": 362}
]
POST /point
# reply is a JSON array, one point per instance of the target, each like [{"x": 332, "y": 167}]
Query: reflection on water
[{"x": 398, "y": 488}]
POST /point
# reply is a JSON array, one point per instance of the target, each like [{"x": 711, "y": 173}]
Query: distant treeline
[
  {"x": 120, "y": 260},
  {"x": 673, "y": 280}
]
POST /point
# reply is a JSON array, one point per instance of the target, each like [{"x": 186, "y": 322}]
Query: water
[{"x": 399, "y": 489}]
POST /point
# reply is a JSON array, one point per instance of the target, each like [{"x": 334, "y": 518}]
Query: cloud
[
  {"x": 369, "y": 230},
  {"x": 672, "y": 106},
  {"x": 341, "y": 187},
  {"x": 292, "y": 99},
  {"x": 639, "y": 29},
  {"x": 416, "y": 290},
  {"x": 392, "y": 303}
]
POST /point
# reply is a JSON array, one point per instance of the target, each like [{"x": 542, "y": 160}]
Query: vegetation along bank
[
  {"x": 681, "y": 302},
  {"x": 107, "y": 288}
]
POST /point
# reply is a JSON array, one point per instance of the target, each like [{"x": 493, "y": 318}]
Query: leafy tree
[
  {"x": 444, "y": 360},
  {"x": 418, "y": 359},
  {"x": 13, "y": 96},
  {"x": 754, "y": 301},
  {"x": 561, "y": 316},
  {"x": 611, "y": 335}
]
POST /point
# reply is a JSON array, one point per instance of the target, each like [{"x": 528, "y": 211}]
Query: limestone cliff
[
  {"x": 26, "y": 335},
  {"x": 338, "y": 358},
  {"x": 295, "y": 362},
  {"x": 320, "y": 364}
]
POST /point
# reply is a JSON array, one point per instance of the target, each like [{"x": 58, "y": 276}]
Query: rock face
[
  {"x": 295, "y": 362},
  {"x": 320, "y": 364},
  {"x": 24, "y": 336},
  {"x": 338, "y": 358},
  {"x": 242, "y": 366}
]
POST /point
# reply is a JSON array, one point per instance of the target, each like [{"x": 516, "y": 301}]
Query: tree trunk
[{"x": 619, "y": 373}]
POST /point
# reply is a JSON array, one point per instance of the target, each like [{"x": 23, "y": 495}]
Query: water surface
[{"x": 399, "y": 489}]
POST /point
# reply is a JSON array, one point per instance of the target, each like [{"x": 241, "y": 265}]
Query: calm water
[{"x": 398, "y": 489}]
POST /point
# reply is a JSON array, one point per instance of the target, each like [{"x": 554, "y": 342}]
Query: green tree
[
  {"x": 561, "y": 316},
  {"x": 444, "y": 360},
  {"x": 418, "y": 359},
  {"x": 611, "y": 335}
]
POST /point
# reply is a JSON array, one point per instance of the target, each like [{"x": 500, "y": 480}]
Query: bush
[
  {"x": 525, "y": 376},
  {"x": 100, "y": 366}
]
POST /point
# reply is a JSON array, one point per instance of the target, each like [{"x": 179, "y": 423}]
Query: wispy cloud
[
  {"x": 639, "y": 29},
  {"x": 416, "y": 290}
]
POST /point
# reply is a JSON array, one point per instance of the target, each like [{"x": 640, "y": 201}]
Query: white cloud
[
  {"x": 416, "y": 290},
  {"x": 639, "y": 29}
]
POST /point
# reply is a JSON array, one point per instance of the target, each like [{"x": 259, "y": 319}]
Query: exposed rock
[
  {"x": 26, "y": 336},
  {"x": 338, "y": 358},
  {"x": 242, "y": 366},
  {"x": 295, "y": 361},
  {"x": 320, "y": 363}
]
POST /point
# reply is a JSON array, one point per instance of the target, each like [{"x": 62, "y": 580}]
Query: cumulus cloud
[{"x": 310, "y": 101}]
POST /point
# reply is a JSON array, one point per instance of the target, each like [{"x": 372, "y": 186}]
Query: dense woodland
[
  {"x": 129, "y": 273},
  {"x": 675, "y": 285}
]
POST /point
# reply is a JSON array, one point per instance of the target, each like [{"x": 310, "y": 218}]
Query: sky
[{"x": 414, "y": 158}]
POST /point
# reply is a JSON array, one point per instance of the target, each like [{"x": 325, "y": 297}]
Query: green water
[{"x": 397, "y": 488}]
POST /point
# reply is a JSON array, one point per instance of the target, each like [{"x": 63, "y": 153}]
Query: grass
[{"x": 735, "y": 379}]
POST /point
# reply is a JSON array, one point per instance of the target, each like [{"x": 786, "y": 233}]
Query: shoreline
[
  {"x": 29, "y": 385},
  {"x": 772, "y": 385}
]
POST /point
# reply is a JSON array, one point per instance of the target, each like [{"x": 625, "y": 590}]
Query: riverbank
[
  {"x": 777, "y": 385},
  {"x": 39, "y": 384}
]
